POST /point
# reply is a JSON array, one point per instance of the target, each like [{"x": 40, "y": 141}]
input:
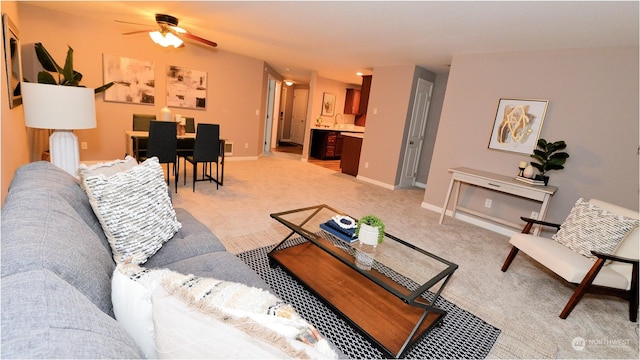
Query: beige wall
[
  {"x": 14, "y": 140},
  {"x": 235, "y": 94},
  {"x": 593, "y": 106},
  {"x": 392, "y": 93}
]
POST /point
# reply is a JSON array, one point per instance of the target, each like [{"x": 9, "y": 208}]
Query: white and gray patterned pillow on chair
[
  {"x": 134, "y": 209},
  {"x": 589, "y": 227}
]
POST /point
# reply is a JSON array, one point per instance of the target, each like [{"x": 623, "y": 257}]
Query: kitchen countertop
[
  {"x": 347, "y": 128},
  {"x": 358, "y": 135}
]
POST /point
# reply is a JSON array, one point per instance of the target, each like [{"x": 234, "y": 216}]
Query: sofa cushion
[
  {"x": 134, "y": 209},
  {"x": 193, "y": 239},
  {"x": 37, "y": 322},
  {"x": 45, "y": 175},
  {"x": 589, "y": 227},
  {"x": 220, "y": 265},
  {"x": 53, "y": 236}
]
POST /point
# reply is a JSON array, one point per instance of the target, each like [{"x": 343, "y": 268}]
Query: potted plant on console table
[{"x": 548, "y": 158}]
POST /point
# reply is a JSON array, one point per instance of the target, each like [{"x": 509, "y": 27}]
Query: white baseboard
[
  {"x": 376, "y": 182},
  {"x": 420, "y": 185},
  {"x": 502, "y": 230},
  {"x": 240, "y": 158}
]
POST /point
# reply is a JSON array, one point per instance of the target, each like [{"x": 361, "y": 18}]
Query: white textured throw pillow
[
  {"x": 171, "y": 315},
  {"x": 134, "y": 209},
  {"x": 131, "y": 288},
  {"x": 589, "y": 227},
  {"x": 107, "y": 168}
]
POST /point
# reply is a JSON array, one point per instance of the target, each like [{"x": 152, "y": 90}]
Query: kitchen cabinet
[
  {"x": 326, "y": 145},
  {"x": 350, "y": 159},
  {"x": 361, "y": 118},
  {"x": 352, "y": 102}
]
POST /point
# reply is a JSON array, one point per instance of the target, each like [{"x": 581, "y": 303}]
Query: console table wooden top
[{"x": 497, "y": 182}]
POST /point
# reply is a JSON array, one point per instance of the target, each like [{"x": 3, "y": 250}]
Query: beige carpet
[{"x": 524, "y": 302}]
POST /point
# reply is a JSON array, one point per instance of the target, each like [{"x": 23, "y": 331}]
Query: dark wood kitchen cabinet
[
  {"x": 361, "y": 117},
  {"x": 352, "y": 102},
  {"x": 326, "y": 145},
  {"x": 350, "y": 159}
]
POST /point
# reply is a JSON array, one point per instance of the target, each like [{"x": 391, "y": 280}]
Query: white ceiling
[{"x": 339, "y": 38}]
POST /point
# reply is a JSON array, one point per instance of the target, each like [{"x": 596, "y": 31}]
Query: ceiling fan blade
[
  {"x": 199, "y": 39},
  {"x": 137, "y": 32},
  {"x": 131, "y": 23}
]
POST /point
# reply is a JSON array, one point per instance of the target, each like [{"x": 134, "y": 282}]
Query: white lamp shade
[{"x": 58, "y": 107}]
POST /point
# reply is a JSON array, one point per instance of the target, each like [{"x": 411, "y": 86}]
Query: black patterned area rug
[{"x": 462, "y": 335}]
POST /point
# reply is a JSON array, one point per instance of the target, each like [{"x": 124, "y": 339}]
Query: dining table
[{"x": 132, "y": 138}]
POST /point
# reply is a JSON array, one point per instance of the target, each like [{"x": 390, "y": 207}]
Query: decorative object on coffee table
[
  {"x": 370, "y": 233},
  {"x": 370, "y": 230}
]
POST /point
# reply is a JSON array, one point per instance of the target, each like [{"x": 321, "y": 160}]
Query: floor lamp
[{"x": 63, "y": 109}]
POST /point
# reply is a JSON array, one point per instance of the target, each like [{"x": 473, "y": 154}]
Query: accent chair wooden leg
[
  {"x": 510, "y": 257},
  {"x": 633, "y": 293},
  {"x": 582, "y": 288}
]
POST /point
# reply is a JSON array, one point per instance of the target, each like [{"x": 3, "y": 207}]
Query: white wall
[{"x": 593, "y": 106}]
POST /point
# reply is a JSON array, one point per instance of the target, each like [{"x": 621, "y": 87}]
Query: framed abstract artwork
[
  {"x": 328, "y": 104},
  {"x": 186, "y": 88},
  {"x": 134, "y": 80},
  {"x": 517, "y": 125},
  {"x": 13, "y": 61}
]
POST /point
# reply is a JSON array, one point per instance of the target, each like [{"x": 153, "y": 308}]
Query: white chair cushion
[{"x": 568, "y": 264}]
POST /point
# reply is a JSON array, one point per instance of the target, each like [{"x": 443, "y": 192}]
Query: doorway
[
  {"x": 415, "y": 138},
  {"x": 271, "y": 114}
]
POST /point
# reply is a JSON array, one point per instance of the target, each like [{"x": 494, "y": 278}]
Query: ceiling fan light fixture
[{"x": 165, "y": 40}]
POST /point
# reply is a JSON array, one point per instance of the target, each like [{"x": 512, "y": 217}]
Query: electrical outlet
[
  {"x": 83, "y": 145},
  {"x": 366, "y": 165},
  {"x": 487, "y": 203},
  {"x": 246, "y": 145},
  {"x": 534, "y": 215}
]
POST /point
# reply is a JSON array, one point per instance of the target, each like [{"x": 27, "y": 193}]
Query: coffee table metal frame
[{"x": 430, "y": 314}]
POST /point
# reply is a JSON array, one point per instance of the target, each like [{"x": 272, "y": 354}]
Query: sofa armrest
[
  {"x": 530, "y": 222},
  {"x": 614, "y": 257}
]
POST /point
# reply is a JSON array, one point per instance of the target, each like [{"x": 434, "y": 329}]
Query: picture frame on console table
[{"x": 517, "y": 125}]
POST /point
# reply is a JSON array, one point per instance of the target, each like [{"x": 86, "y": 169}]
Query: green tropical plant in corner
[
  {"x": 374, "y": 221},
  {"x": 549, "y": 156},
  {"x": 67, "y": 76}
]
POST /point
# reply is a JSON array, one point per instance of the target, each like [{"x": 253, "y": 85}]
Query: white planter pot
[{"x": 368, "y": 235}]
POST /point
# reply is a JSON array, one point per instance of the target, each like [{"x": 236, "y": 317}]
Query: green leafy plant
[
  {"x": 374, "y": 221},
  {"x": 66, "y": 75},
  {"x": 549, "y": 156}
]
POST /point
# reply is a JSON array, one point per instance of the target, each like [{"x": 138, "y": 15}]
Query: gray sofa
[{"x": 57, "y": 267}]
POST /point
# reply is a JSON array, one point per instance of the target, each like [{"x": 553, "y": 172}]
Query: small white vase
[
  {"x": 528, "y": 171},
  {"x": 368, "y": 235}
]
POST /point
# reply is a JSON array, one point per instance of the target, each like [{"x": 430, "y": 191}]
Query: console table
[{"x": 496, "y": 182}]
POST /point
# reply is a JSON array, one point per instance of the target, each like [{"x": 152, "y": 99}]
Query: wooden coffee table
[{"x": 392, "y": 304}]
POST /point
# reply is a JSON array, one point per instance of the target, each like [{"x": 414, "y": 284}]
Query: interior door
[
  {"x": 413, "y": 147},
  {"x": 299, "y": 115}
]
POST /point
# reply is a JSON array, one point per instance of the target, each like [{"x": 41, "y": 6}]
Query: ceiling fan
[{"x": 168, "y": 32}]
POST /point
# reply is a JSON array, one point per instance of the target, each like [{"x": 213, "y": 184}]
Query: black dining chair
[
  {"x": 163, "y": 145},
  {"x": 141, "y": 123},
  {"x": 206, "y": 150},
  {"x": 185, "y": 146}
]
